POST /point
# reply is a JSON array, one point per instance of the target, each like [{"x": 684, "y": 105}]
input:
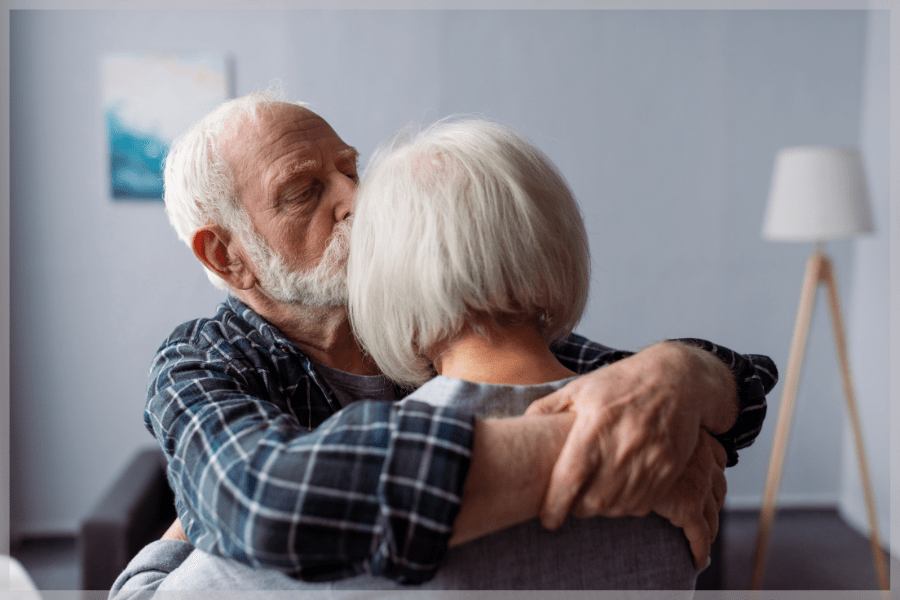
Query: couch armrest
[{"x": 136, "y": 509}]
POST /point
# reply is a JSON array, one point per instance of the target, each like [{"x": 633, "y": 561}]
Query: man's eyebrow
[
  {"x": 347, "y": 153},
  {"x": 298, "y": 167},
  {"x": 286, "y": 177}
]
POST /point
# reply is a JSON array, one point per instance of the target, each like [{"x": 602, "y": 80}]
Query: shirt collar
[{"x": 270, "y": 333}]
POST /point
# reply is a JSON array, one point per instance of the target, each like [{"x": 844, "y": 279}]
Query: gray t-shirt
[
  {"x": 629, "y": 553},
  {"x": 348, "y": 387}
]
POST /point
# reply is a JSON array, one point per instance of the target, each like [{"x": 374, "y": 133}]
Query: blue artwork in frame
[{"x": 148, "y": 101}]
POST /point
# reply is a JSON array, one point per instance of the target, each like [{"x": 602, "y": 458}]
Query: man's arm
[
  {"x": 253, "y": 486},
  {"x": 375, "y": 487},
  {"x": 511, "y": 464}
]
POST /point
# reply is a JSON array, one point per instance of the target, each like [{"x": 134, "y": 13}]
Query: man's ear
[{"x": 217, "y": 250}]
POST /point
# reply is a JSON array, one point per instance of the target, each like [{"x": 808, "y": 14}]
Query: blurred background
[{"x": 665, "y": 124}]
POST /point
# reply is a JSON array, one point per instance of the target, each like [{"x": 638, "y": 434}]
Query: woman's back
[{"x": 646, "y": 553}]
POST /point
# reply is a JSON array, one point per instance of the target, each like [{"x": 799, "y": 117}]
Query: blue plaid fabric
[{"x": 267, "y": 471}]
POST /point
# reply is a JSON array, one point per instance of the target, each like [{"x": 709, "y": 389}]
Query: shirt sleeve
[
  {"x": 375, "y": 488},
  {"x": 755, "y": 375}
]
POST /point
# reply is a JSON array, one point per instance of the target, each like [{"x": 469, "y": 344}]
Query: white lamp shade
[{"x": 817, "y": 194}]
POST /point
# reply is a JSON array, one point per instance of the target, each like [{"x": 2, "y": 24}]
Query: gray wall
[
  {"x": 869, "y": 300},
  {"x": 664, "y": 123}
]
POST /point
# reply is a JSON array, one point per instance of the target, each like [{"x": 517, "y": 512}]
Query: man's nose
[{"x": 344, "y": 195}]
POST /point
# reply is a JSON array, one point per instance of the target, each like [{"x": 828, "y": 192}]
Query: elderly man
[{"x": 282, "y": 450}]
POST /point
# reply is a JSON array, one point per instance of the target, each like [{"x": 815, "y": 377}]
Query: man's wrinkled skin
[{"x": 700, "y": 489}]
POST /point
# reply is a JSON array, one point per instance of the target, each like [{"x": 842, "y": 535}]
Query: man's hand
[
  {"x": 695, "y": 499},
  {"x": 637, "y": 424},
  {"x": 175, "y": 532}
]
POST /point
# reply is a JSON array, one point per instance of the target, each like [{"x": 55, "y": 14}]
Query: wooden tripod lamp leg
[
  {"x": 795, "y": 362},
  {"x": 837, "y": 323}
]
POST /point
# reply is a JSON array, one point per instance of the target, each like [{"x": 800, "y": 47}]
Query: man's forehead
[
  {"x": 311, "y": 162},
  {"x": 281, "y": 119},
  {"x": 281, "y": 127}
]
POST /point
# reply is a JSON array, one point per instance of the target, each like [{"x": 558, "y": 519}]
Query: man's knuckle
[{"x": 591, "y": 504}]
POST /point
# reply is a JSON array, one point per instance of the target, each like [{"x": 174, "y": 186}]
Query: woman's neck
[{"x": 516, "y": 355}]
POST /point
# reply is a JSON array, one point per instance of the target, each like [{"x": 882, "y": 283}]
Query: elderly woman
[{"x": 468, "y": 259}]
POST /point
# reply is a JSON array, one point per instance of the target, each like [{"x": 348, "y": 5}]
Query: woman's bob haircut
[{"x": 462, "y": 224}]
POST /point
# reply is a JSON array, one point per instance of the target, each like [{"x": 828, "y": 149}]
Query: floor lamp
[{"x": 817, "y": 194}]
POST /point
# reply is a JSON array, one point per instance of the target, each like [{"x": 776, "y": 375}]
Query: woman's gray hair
[
  {"x": 463, "y": 220},
  {"x": 199, "y": 183}
]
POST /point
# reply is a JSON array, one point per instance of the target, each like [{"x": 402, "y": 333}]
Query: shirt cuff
[{"x": 755, "y": 376}]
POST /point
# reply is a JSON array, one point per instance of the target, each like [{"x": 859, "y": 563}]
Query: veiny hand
[
  {"x": 175, "y": 532},
  {"x": 637, "y": 425},
  {"x": 694, "y": 501}
]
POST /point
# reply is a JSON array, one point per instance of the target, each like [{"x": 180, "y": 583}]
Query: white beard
[{"x": 323, "y": 286}]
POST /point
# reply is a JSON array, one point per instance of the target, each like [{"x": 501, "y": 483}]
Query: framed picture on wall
[{"x": 148, "y": 101}]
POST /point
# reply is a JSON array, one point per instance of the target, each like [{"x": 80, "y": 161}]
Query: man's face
[{"x": 296, "y": 179}]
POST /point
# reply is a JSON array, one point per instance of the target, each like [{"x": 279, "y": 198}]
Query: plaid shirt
[{"x": 267, "y": 471}]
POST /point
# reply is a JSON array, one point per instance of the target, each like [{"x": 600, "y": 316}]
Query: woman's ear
[{"x": 217, "y": 250}]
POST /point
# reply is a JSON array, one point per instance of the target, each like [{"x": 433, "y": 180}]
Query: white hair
[
  {"x": 199, "y": 183},
  {"x": 466, "y": 219}
]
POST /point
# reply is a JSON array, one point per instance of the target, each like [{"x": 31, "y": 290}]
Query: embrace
[{"x": 403, "y": 402}]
